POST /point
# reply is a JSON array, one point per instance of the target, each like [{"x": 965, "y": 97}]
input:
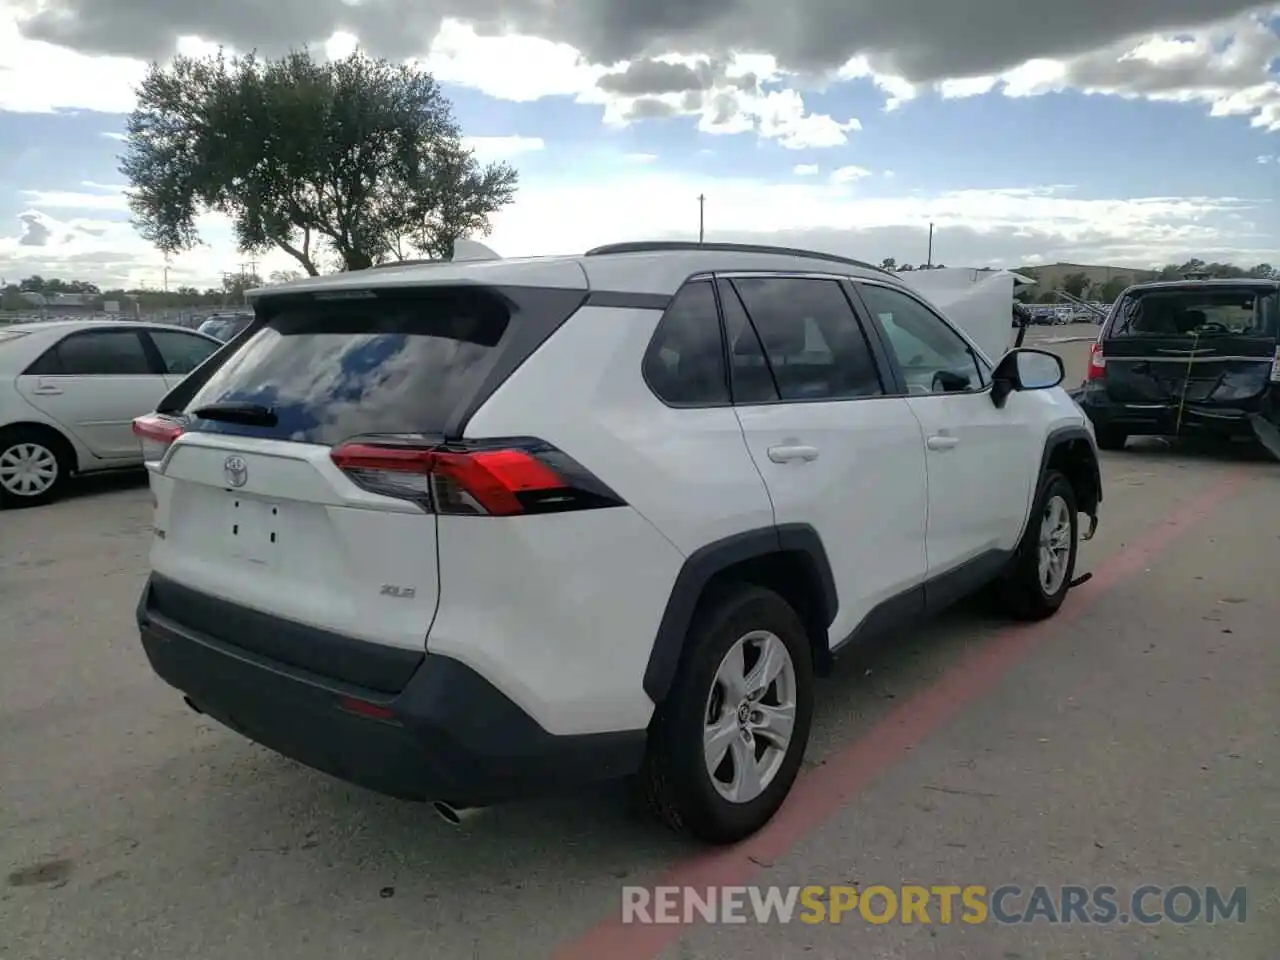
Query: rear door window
[
  {"x": 331, "y": 370},
  {"x": 95, "y": 353},
  {"x": 813, "y": 341}
]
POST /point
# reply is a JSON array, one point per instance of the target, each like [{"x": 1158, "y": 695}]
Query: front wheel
[
  {"x": 726, "y": 745},
  {"x": 1045, "y": 562}
]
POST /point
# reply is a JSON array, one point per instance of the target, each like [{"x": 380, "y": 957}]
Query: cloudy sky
[{"x": 1120, "y": 131}]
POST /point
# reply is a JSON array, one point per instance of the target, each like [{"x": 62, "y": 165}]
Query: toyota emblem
[{"x": 237, "y": 471}]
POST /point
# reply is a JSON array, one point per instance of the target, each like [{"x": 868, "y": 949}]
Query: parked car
[
  {"x": 466, "y": 531},
  {"x": 224, "y": 327},
  {"x": 1188, "y": 357},
  {"x": 69, "y": 392}
]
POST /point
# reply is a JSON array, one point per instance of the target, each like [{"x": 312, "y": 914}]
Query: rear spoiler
[{"x": 466, "y": 250}]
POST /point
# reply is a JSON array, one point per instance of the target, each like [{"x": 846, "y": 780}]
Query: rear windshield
[
  {"x": 1196, "y": 312},
  {"x": 331, "y": 370}
]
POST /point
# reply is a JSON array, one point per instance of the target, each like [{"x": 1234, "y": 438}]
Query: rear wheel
[
  {"x": 1045, "y": 563},
  {"x": 1110, "y": 438},
  {"x": 33, "y": 467},
  {"x": 726, "y": 745}
]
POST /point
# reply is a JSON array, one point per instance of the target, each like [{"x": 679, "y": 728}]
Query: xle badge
[{"x": 399, "y": 593}]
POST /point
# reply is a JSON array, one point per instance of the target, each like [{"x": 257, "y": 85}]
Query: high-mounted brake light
[
  {"x": 156, "y": 433},
  {"x": 1097, "y": 363},
  {"x": 497, "y": 480}
]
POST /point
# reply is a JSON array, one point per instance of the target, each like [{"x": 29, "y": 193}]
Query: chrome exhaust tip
[{"x": 455, "y": 816}]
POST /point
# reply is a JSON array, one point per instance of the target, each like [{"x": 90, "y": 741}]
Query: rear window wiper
[{"x": 250, "y": 414}]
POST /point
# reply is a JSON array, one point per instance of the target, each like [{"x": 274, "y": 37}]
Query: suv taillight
[
  {"x": 156, "y": 433},
  {"x": 501, "y": 479},
  {"x": 1097, "y": 363}
]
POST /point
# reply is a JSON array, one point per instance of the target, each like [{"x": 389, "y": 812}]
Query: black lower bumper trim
[
  {"x": 1167, "y": 420},
  {"x": 450, "y": 734}
]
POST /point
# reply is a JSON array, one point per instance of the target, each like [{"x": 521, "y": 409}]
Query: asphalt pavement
[{"x": 1133, "y": 739}]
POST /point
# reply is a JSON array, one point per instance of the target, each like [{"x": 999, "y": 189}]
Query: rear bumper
[
  {"x": 1165, "y": 419},
  {"x": 448, "y": 734}
]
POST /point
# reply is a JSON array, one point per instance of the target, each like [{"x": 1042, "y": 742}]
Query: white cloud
[
  {"x": 40, "y": 77},
  {"x": 849, "y": 174},
  {"x": 103, "y": 197},
  {"x": 889, "y": 174},
  {"x": 502, "y": 148},
  {"x": 509, "y": 67},
  {"x": 115, "y": 135},
  {"x": 640, "y": 157},
  {"x": 1226, "y": 67},
  {"x": 805, "y": 169},
  {"x": 1267, "y": 158}
]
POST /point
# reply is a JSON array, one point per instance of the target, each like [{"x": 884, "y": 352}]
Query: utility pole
[
  {"x": 166, "y": 273},
  {"x": 930, "y": 246},
  {"x": 248, "y": 274},
  {"x": 702, "y": 204}
]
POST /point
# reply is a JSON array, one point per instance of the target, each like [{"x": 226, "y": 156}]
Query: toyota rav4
[{"x": 461, "y": 532}]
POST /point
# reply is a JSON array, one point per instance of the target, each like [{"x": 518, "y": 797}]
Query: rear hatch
[
  {"x": 1203, "y": 344},
  {"x": 255, "y": 506}
]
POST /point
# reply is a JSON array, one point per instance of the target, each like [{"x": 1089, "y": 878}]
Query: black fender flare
[
  {"x": 1079, "y": 437},
  {"x": 704, "y": 564}
]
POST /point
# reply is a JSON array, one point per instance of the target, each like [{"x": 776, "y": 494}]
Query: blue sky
[{"x": 1145, "y": 147}]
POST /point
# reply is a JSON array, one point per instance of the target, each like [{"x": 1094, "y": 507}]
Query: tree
[
  {"x": 1112, "y": 289},
  {"x": 1075, "y": 284},
  {"x": 359, "y": 158},
  {"x": 284, "y": 276},
  {"x": 888, "y": 263}
]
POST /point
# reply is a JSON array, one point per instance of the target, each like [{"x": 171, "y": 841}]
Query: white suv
[{"x": 460, "y": 532}]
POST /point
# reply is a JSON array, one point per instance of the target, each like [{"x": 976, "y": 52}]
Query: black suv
[{"x": 1187, "y": 357}]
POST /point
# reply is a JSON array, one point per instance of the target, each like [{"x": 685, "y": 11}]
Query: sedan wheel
[{"x": 28, "y": 470}]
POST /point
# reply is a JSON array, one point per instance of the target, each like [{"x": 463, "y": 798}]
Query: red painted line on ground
[{"x": 824, "y": 790}]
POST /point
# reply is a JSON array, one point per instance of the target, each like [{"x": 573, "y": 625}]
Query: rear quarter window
[{"x": 331, "y": 370}]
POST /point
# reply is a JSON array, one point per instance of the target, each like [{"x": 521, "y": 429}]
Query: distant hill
[{"x": 1051, "y": 275}]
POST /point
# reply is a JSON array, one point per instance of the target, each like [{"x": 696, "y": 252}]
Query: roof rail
[
  {"x": 404, "y": 263},
  {"x": 660, "y": 246}
]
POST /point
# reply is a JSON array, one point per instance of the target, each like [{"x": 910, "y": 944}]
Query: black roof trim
[
  {"x": 1210, "y": 282},
  {"x": 671, "y": 246}
]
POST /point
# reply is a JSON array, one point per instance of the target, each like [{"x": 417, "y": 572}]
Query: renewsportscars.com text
[{"x": 939, "y": 904}]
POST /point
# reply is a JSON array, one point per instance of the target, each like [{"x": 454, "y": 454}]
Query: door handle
[
  {"x": 942, "y": 443},
  {"x": 789, "y": 453},
  {"x": 46, "y": 390}
]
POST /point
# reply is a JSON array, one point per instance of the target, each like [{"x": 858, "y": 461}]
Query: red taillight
[
  {"x": 156, "y": 433},
  {"x": 1097, "y": 363},
  {"x": 491, "y": 481}
]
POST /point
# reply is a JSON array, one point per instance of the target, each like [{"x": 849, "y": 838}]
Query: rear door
[
  {"x": 94, "y": 382},
  {"x": 1207, "y": 344},
  {"x": 835, "y": 451},
  {"x": 256, "y": 512}
]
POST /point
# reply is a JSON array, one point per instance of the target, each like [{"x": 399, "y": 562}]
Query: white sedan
[{"x": 69, "y": 390}]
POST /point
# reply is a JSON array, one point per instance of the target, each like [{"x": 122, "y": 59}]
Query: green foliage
[{"x": 360, "y": 159}]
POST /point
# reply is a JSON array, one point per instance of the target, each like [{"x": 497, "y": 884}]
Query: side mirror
[{"x": 1025, "y": 369}]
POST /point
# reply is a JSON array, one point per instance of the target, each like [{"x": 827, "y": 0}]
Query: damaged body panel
[{"x": 1188, "y": 358}]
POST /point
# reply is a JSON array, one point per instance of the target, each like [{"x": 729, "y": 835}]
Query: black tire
[
  {"x": 675, "y": 782},
  {"x": 1021, "y": 592},
  {"x": 1110, "y": 438},
  {"x": 14, "y": 437}
]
